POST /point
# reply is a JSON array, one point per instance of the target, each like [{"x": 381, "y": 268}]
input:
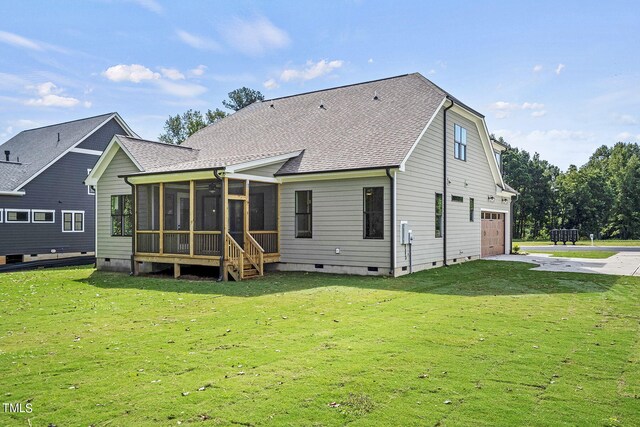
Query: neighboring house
[
  {"x": 383, "y": 177},
  {"x": 46, "y": 211}
]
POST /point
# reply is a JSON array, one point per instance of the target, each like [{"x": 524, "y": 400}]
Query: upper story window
[
  {"x": 303, "y": 214},
  {"x": 373, "y": 215},
  {"x": 499, "y": 160},
  {"x": 459, "y": 142}
]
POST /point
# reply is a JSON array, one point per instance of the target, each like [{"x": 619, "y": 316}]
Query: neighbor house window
[
  {"x": 90, "y": 188},
  {"x": 43, "y": 216},
  {"x": 303, "y": 214},
  {"x": 438, "y": 215},
  {"x": 458, "y": 199},
  {"x": 472, "y": 206},
  {"x": 1, "y": 216},
  {"x": 72, "y": 221},
  {"x": 121, "y": 215},
  {"x": 459, "y": 142},
  {"x": 373, "y": 213},
  {"x": 18, "y": 215}
]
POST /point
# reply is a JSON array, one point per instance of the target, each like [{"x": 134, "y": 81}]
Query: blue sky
[{"x": 558, "y": 78}]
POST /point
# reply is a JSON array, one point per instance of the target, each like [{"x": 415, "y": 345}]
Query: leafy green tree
[
  {"x": 242, "y": 97},
  {"x": 179, "y": 127}
]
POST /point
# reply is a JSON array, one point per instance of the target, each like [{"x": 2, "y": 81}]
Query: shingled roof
[
  {"x": 32, "y": 150},
  {"x": 360, "y": 126}
]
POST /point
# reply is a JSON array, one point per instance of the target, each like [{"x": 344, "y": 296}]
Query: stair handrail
[
  {"x": 254, "y": 253},
  {"x": 234, "y": 254}
]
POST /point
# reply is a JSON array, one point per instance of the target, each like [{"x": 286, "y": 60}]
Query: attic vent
[
  {"x": 6, "y": 154},
  {"x": 322, "y": 105},
  {"x": 375, "y": 95},
  {"x": 272, "y": 106}
]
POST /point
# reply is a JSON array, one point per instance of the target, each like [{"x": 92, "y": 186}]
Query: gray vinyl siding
[
  {"x": 60, "y": 187},
  {"x": 337, "y": 222},
  {"x": 100, "y": 139},
  {"x": 109, "y": 184},
  {"x": 267, "y": 171},
  {"x": 422, "y": 179}
]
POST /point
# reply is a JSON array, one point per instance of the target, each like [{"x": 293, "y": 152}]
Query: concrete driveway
[{"x": 622, "y": 264}]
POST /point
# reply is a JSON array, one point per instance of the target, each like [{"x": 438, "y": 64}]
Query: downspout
[
  {"x": 513, "y": 217},
  {"x": 133, "y": 231},
  {"x": 392, "y": 187},
  {"x": 220, "y": 221},
  {"x": 444, "y": 183}
]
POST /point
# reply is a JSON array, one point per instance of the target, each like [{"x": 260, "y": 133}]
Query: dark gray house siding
[
  {"x": 101, "y": 138},
  {"x": 58, "y": 188}
]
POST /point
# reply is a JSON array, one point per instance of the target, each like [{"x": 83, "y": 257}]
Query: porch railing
[
  {"x": 148, "y": 242},
  {"x": 234, "y": 255},
  {"x": 268, "y": 240},
  {"x": 176, "y": 242},
  {"x": 207, "y": 243},
  {"x": 254, "y": 253}
]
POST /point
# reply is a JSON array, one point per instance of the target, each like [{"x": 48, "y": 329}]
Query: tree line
[{"x": 602, "y": 197}]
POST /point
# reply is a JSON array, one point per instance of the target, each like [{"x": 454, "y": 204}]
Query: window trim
[
  {"x": 458, "y": 144},
  {"x": 1, "y": 215},
  {"x": 310, "y": 214},
  {"x": 122, "y": 215},
  {"x": 472, "y": 209},
  {"x": 73, "y": 221},
  {"x": 365, "y": 212},
  {"x": 35, "y": 211},
  {"x": 8, "y": 221},
  {"x": 438, "y": 217}
]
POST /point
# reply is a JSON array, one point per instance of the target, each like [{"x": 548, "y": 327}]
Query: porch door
[
  {"x": 183, "y": 212},
  {"x": 236, "y": 220}
]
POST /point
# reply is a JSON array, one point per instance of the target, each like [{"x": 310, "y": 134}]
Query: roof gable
[{"x": 37, "y": 149}]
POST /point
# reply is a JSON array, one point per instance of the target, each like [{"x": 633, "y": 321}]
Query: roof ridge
[
  {"x": 156, "y": 142},
  {"x": 70, "y": 121},
  {"x": 340, "y": 87}
]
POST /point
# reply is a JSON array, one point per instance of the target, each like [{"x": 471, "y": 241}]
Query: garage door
[{"x": 492, "y": 233}]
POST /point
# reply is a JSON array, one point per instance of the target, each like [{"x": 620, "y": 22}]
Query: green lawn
[
  {"x": 612, "y": 242},
  {"x": 483, "y": 343},
  {"x": 576, "y": 254}
]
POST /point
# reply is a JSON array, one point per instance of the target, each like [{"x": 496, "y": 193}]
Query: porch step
[{"x": 249, "y": 272}]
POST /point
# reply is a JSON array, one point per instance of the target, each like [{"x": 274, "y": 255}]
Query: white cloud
[
  {"x": 151, "y": 5},
  {"x": 539, "y": 113},
  {"x": 50, "y": 96},
  {"x": 198, "y": 71},
  {"x": 431, "y": 72},
  {"x": 133, "y": 73},
  {"x": 19, "y": 41},
  {"x": 271, "y": 84},
  {"x": 537, "y": 68},
  {"x": 532, "y": 106},
  {"x": 627, "y": 137},
  {"x": 198, "y": 42},
  {"x": 255, "y": 37},
  {"x": 181, "y": 90},
  {"x": 559, "y": 68},
  {"x": 87, "y": 104},
  {"x": 172, "y": 74},
  {"x": 626, "y": 119},
  {"x": 370, "y": 61},
  {"x": 311, "y": 71}
]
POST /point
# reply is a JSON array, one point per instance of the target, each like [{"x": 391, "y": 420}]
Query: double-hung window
[
  {"x": 121, "y": 215},
  {"x": 459, "y": 142},
  {"x": 373, "y": 215},
  {"x": 303, "y": 214},
  {"x": 73, "y": 221},
  {"x": 472, "y": 208}
]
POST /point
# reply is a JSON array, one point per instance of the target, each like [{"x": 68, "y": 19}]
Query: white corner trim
[
  {"x": 415, "y": 144},
  {"x": 261, "y": 162},
  {"x": 86, "y": 151},
  {"x": 45, "y": 167}
]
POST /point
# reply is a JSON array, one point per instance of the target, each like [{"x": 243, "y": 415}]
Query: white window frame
[
  {"x": 1, "y": 216},
  {"x": 90, "y": 188},
  {"x": 6, "y": 212},
  {"x": 73, "y": 221},
  {"x": 35, "y": 211}
]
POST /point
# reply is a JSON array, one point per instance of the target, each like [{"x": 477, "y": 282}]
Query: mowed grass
[
  {"x": 576, "y": 254},
  {"x": 611, "y": 242},
  {"x": 482, "y": 343}
]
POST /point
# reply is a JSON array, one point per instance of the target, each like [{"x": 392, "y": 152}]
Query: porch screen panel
[
  {"x": 263, "y": 206},
  {"x": 176, "y": 206},
  {"x": 207, "y": 215},
  {"x": 148, "y": 207}
]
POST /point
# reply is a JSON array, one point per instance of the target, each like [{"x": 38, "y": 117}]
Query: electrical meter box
[{"x": 404, "y": 233}]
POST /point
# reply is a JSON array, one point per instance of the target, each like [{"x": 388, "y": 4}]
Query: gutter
[
  {"x": 12, "y": 193},
  {"x": 392, "y": 249},
  {"x": 133, "y": 231},
  {"x": 221, "y": 217},
  {"x": 444, "y": 183}
]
